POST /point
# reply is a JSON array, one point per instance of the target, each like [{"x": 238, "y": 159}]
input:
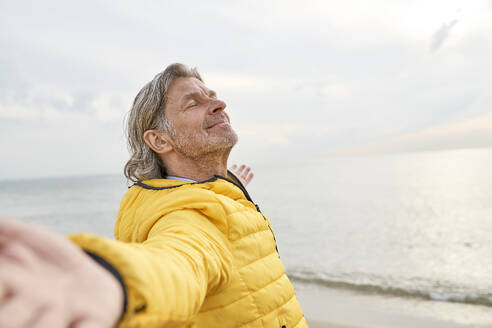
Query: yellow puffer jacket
[{"x": 197, "y": 255}]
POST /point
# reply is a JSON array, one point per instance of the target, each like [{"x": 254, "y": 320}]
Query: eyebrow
[{"x": 191, "y": 95}]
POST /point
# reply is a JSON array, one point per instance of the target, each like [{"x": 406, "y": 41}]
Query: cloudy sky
[{"x": 302, "y": 79}]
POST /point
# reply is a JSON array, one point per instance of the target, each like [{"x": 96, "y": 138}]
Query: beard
[{"x": 197, "y": 145}]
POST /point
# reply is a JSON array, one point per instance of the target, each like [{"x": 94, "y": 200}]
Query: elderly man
[{"x": 192, "y": 249}]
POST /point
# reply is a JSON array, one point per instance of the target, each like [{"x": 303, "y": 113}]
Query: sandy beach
[
  {"x": 336, "y": 308},
  {"x": 318, "y": 324}
]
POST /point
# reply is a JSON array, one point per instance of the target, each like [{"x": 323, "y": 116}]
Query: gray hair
[{"x": 148, "y": 113}]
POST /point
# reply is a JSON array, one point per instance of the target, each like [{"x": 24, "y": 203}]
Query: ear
[{"x": 158, "y": 141}]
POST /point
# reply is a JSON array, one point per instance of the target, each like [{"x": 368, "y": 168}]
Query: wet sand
[
  {"x": 335, "y": 308},
  {"x": 319, "y": 324}
]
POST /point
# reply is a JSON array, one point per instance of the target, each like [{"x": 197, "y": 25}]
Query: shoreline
[
  {"x": 325, "y": 307},
  {"x": 320, "y": 324}
]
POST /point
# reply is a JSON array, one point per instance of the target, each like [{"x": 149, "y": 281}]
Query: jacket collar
[{"x": 158, "y": 184}]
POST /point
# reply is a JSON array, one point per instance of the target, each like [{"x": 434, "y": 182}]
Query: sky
[{"x": 303, "y": 80}]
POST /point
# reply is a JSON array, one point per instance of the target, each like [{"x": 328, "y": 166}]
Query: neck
[{"x": 198, "y": 169}]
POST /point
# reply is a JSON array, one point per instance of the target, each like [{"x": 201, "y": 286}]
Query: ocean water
[{"x": 416, "y": 226}]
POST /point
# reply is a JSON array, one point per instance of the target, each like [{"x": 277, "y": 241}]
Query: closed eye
[{"x": 192, "y": 104}]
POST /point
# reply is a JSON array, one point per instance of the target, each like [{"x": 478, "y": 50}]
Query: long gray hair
[{"x": 148, "y": 113}]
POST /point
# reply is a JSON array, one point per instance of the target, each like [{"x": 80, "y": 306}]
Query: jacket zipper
[
  {"x": 269, "y": 227},
  {"x": 245, "y": 192}
]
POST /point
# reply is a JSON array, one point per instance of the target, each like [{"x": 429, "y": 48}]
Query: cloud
[
  {"x": 297, "y": 79},
  {"x": 266, "y": 135},
  {"x": 441, "y": 35},
  {"x": 470, "y": 133},
  {"x": 47, "y": 104},
  {"x": 107, "y": 107}
]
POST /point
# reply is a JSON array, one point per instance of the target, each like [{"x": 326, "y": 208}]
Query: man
[{"x": 191, "y": 248}]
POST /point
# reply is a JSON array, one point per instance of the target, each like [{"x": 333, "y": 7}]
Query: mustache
[{"x": 210, "y": 121}]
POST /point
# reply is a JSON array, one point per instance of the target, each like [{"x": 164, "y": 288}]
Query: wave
[{"x": 440, "y": 292}]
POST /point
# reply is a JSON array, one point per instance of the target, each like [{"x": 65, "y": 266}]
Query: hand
[
  {"x": 47, "y": 281},
  {"x": 243, "y": 173}
]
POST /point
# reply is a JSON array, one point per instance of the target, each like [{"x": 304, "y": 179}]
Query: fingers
[
  {"x": 3, "y": 241},
  {"x": 48, "y": 319},
  {"x": 243, "y": 173},
  {"x": 5, "y": 293},
  {"x": 17, "y": 313},
  {"x": 249, "y": 177},
  {"x": 237, "y": 170},
  {"x": 14, "y": 282},
  {"x": 18, "y": 253},
  {"x": 18, "y": 231},
  {"x": 241, "y": 169},
  {"x": 47, "y": 244},
  {"x": 10, "y": 227},
  {"x": 86, "y": 324},
  {"x": 25, "y": 301}
]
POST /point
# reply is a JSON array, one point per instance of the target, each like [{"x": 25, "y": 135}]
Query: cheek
[{"x": 191, "y": 123}]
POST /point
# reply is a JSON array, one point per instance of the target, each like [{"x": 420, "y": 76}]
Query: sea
[{"x": 414, "y": 226}]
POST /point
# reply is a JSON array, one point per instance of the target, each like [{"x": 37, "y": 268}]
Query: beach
[
  {"x": 338, "y": 308},
  {"x": 317, "y": 324}
]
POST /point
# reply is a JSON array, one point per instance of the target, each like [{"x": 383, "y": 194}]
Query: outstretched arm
[
  {"x": 47, "y": 281},
  {"x": 167, "y": 276}
]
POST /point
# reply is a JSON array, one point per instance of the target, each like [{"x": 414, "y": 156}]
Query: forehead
[{"x": 182, "y": 86}]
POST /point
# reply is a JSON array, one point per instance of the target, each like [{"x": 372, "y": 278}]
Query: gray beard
[{"x": 195, "y": 147}]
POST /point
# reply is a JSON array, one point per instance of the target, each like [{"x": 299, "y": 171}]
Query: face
[{"x": 201, "y": 125}]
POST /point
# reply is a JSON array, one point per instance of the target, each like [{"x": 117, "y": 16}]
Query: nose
[{"x": 217, "y": 105}]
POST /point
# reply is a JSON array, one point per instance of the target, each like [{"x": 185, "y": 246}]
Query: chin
[
  {"x": 196, "y": 147},
  {"x": 224, "y": 143}
]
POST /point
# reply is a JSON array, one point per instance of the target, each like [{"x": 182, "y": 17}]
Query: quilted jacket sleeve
[{"x": 167, "y": 277}]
